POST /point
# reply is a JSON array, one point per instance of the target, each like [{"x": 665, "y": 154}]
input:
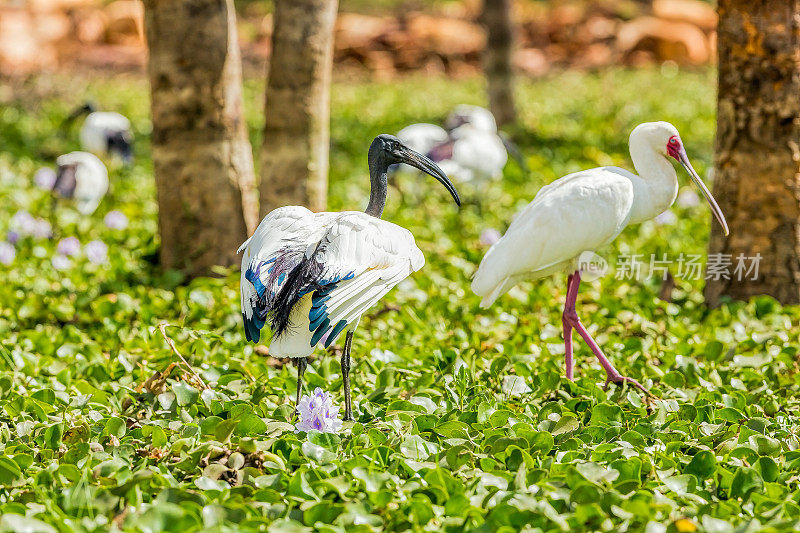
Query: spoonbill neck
[{"x": 656, "y": 186}]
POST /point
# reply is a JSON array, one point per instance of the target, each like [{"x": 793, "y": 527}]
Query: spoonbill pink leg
[
  {"x": 570, "y": 320},
  {"x": 569, "y": 304}
]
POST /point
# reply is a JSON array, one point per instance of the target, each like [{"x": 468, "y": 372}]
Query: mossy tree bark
[
  {"x": 294, "y": 154},
  {"x": 496, "y": 17},
  {"x": 757, "y": 166},
  {"x": 202, "y": 156}
]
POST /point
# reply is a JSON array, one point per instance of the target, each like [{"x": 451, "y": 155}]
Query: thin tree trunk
[
  {"x": 496, "y": 17},
  {"x": 202, "y": 157},
  {"x": 757, "y": 167},
  {"x": 294, "y": 154}
]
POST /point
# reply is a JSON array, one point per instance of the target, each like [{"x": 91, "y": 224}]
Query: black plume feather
[{"x": 302, "y": 279}]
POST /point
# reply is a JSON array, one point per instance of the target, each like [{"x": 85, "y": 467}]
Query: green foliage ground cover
[{"x": 92, "y": 439}]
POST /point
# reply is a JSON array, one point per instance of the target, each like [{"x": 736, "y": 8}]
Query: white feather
[
  {"x": 91, "y": 180},
  {"x": 378, "y": 255},
  {"x": 96, "y": 128},
  {"x": 422, "y": 137}
]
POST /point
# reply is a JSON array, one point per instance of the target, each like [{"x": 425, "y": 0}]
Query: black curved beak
[{"x": 410, "y": 157}]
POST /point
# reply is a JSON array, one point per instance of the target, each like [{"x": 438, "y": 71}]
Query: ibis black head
[{"x": 388, "y": 150}]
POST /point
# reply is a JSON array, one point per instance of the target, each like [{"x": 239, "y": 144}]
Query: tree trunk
[
  {"x": 202, "y": 157},
  {"x": 757, "y": 167},
  {"x": 496, "y": 17},
  {"x": 294, "y": 154}
]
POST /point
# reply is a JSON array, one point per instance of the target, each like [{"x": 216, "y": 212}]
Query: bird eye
[{"x": 673, "y": 141}]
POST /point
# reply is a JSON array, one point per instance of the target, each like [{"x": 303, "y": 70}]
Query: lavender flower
[
  {"x": 45, "y": 178},
  {"x": 61, "y": 262},
  {"x": 13, "y": 236},
  {"x": 7, "y": 253},
  {"x": 97, "y": 252},
  {"x": 69, "y": 246},
  {"x": 318, "y": 413},
  {"x": 41, "y": 229},
  {"x": 688, "y": 198},
  {"x": 489, "y": 236},
  {"x": 667, "y": 218},
  {"x": 116, "y": 220},
  {"x": 23, "y": 222}
]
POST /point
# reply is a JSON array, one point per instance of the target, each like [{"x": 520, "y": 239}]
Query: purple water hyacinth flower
[
  {"x": 318, "y": 413},
  {"x": 489, "y": 236},
  {"x": 7, "y": 253},
  {"x": 42, "y": 229},
  {"x": 23, "y": 222},
  {"x": 69, "y": 246},
  {"x": 667, "y": 218},
  {"x": 116, "y": 220},
  {"x": 97, "y": 252},
  {"x": 61, "y": 262},
  {"x": 688, "y": 198},
  {"x": 45, "y": 178},
  {"x": 13, "y": 236}
]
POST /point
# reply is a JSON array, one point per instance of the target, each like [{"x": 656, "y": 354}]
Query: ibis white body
[
  {"x": 98, "y": 127},
  {"x": 423, "y": 137},
  {"x": 90, "y": 180},
  {"x": 581, "y": 212},
  {"x": 479, "y": 118},
  {"x": 469, "y": 150},
  {"x": 478, "y": 156},
  {"x": 363, "y": 257}
]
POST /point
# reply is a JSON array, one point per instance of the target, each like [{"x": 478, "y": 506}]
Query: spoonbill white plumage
[
  {"x": 583, "y": 212},
  {"x": 82, "y": 177},
  {"x": 312, "y": 275},
  {"x": 105, "y": 133}
]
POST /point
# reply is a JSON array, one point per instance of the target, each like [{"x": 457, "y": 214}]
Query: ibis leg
[
  {"x": 571, "y": 317},
  {"x": 302, "y": 362},
  {"x": 348, "y": 408}
]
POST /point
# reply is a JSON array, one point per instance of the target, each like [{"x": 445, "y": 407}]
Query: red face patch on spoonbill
[{"x": 674, "y": 147}]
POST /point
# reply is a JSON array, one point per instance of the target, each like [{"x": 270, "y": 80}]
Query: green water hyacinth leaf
[
  {"x": 185, "y": 394},
  {"x": 9, "y": 471},
  {"x": 702, "y": 465}
]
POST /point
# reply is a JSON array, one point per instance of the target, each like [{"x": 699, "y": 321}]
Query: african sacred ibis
[
  {"x": 105, "y": 133},
  {"x": 82, "y": 177},
  {"x": 582, "y": 212},
  {"x": 312, "y": 275}
]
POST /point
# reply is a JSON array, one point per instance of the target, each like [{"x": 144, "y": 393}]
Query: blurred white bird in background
[
  {"x": 104, "y": 133},
  {"x": 580, "y": 213},
  {"x": 469, "y": 148},
  {"x": 82, "y": 177}
]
